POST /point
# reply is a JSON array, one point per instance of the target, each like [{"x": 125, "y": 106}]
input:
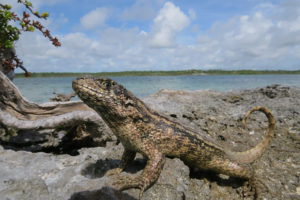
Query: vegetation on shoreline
[{"x": 164, "y": 73}]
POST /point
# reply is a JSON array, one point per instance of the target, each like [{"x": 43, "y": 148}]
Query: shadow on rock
[
  {"x": 105, "y": 193},
  {"x": 98, "y": 169},
  {"x": 48, "y": 142}
]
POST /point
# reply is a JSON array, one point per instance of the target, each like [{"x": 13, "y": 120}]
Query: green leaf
[
  {"x": 28, "y": 3},
  {"x": 7, "y": 15},
  {"x": 8, "y": 44},
  {"x": 45, "y": 15},
  {"x": 8, "y": 7},
  {"x": 22, "y": 24},
  {"x": 30, "y": 28}
]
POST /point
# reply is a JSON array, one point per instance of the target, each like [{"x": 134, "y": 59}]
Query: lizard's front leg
[
  {"x": 150, "y": 174},
  {"x": 127, "y": 157}
]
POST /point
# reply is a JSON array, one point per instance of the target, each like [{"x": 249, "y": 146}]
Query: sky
[{"x": 123, "y": 35}]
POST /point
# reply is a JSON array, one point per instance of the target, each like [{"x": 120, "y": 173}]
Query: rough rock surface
[{"x": 27, "y": 175}]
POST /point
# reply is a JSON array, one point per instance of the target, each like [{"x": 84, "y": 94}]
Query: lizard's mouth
[
  {"x": 79, "y": 87},
  {"x": 75, "y": 85}
]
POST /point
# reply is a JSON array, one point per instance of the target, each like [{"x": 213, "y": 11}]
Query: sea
[{"x": 40, "y": 90}]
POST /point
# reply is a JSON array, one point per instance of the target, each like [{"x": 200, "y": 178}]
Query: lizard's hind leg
[{"x": 236, "y": 170}]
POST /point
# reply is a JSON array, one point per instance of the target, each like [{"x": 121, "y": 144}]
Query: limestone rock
[{"x": 27, "y": 175}]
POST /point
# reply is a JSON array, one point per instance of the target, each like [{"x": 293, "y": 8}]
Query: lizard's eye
[{"x": 106, "y": 84}]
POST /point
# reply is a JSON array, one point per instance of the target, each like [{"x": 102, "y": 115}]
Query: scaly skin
[{"x": 141, "y": 129}]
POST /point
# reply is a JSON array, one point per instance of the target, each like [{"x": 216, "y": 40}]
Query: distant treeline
[{"x": 163, "y": 73}]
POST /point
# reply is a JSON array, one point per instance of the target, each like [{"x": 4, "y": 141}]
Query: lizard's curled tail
[{"x": 255, "y": 152}]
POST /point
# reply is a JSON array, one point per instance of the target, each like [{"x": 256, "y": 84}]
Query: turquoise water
[{"x": 40, "y": 89}]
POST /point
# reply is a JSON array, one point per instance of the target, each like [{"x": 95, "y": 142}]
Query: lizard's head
[{"x": 105, "y": 96}]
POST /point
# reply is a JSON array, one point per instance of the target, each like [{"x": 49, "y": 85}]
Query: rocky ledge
[{"x": 47, "y": 176}]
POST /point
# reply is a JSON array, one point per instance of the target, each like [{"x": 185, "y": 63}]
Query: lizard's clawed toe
[
  {"x": 249, "y": 189},
  {"x": 126, "y": 182}
]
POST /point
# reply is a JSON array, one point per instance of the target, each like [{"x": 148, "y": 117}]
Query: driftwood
[
  {"x": 57, "y": 127},
  {"x": 62, "y": 97}
]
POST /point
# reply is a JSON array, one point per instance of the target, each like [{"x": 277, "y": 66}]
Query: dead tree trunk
[
  {"x": 56, "y": 127},
  {"x": 9, "y": 61},
  {"x": 6, "y": 56}
]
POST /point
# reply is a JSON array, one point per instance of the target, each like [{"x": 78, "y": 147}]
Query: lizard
[{"x": 141, "y": 129}]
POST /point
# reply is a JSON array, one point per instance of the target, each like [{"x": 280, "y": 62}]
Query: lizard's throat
[{"x": 110, "y": 115}]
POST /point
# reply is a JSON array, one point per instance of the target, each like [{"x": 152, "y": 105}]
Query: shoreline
[{"x": 162, "y": 73}]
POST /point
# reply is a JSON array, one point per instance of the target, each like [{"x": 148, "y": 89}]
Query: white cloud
[
  {"x": 254, "y": 41},
  {"x": 269, "y": 38},
  {"x": 95, "y": 18},
  {"x": 169, "y": 21},
  {"x": 141, "y": 10}
]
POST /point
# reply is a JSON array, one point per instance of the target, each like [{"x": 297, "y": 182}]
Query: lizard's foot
[
  {"x": 113, "y": 171},
  {"x": 127, "y": 182},
  {"x": 260, "y": 188},
  {"x": 249, "y": 189}
]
